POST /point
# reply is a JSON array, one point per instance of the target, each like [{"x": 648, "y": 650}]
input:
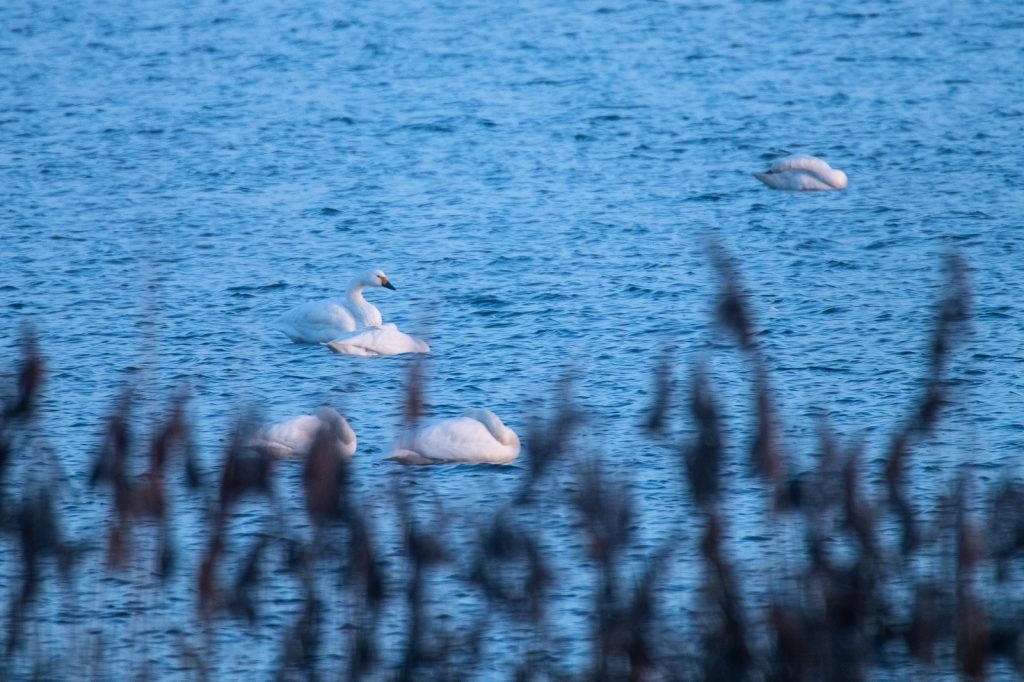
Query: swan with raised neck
[
  {"x": 364, "y": 312},
  {"x": 326, "y": 320}
]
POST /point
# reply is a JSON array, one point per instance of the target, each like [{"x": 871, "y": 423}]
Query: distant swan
[
  {"x": 383, "y": 340},
  {"x": 326, "y": 320},
  {"x": 802, "y": 173},
  {"x": 477, "y": 437},
  {"x": 294, "y": 438}
]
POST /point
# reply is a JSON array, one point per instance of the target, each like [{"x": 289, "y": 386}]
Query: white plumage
[
  {"x": 295, "y": 437},
  {"x": 326, "y": 320},
  {"x": 802, "y": 173},
  {"x": 383, "y": 340},
  {"x": 477, "y": 437}
]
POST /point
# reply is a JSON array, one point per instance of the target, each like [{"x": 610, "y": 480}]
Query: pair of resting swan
[
  {"x": 802, "y": 173},
  {"x": 349, "y": 325},
  {"x": 477, "y": 437},
  {"x": 353, "y": 326}
]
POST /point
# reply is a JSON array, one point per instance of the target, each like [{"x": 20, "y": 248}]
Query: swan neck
[
  {"x": 347, "y": 434},
  {"x": 365, "y": 313},
  {"x": 494, "y": 425},
  {"x": 355, "y": 291}
]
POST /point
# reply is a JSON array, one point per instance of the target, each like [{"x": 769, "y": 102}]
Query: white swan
[
  {"x": 326, "y": 320},
  {"x": 294, "y": 438},
  {"x": 477, "y": 437},
  {"x": 383, "y": 340},
  {"x": 802, "y": 173}
]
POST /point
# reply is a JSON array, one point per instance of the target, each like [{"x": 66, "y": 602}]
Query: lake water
[{"x": 540, "y": 182}]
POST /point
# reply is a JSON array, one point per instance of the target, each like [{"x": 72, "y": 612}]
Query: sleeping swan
[
  {"x": 326, "y": 320},
  {"x": 382, "y": 340},
  {"x": 802, "y": 173},
  {"x": 478, "y": 436},
  {"x": 294, "y": 438}
]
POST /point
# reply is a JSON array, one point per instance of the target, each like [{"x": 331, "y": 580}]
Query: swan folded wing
[
  {"x": 353, "y": 347},
  {"x": 383, "y": 340},
  {"x": 808, "y": 182},
  {"x": 800, "y": 162},
  {"x": 295, "y": 437},
  {"x": 463, "y": 439},
  {"x": 272, "y": 448},
  {"x": 793, "y": 180},
  {"x": 287, "y": 439},
  {"x": 403, "y": 456},
  {"x": 316, "y": 321}
]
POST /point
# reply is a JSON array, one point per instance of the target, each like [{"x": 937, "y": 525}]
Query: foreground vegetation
[{"x": 850, "y": 603}]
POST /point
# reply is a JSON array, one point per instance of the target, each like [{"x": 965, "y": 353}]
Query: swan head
[{"x": 377, "y": 278}]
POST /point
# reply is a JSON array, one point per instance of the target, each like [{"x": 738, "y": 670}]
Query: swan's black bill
[{"x": 388, "y": 285}]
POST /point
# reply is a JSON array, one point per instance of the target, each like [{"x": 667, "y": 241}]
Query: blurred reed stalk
[{"x": 850, "y": 601}]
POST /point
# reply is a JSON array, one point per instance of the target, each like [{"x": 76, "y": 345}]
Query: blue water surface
[{"x": 541, "y": 181}]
